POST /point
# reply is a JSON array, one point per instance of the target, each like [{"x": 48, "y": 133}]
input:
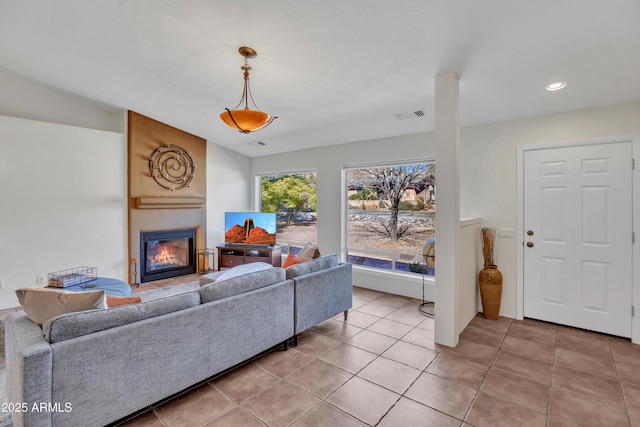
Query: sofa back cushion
[
  {"x": 240, "y": 284},
  {"x": 72, "y": 325},
  {"x": 312, "y": 266},
  {"x": 167, "y": 291},
  {"x": 239, "y": 270}
]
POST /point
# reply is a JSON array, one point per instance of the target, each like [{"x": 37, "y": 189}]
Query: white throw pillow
[{"x": 239, "y": 270}]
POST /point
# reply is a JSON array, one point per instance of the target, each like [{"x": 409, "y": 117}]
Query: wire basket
[{"x": 72, "y": 277}]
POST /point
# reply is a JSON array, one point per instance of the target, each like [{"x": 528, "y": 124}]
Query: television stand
[{"x": 230, "y": 255}]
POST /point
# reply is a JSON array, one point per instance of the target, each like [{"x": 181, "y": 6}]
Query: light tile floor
[{"x": 382, "y": 368}]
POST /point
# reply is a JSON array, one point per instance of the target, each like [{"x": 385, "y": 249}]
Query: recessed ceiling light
[{"x": 552, "y": 87}]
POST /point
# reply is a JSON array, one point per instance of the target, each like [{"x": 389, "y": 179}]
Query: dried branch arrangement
[{"x": 487, "y": 240}]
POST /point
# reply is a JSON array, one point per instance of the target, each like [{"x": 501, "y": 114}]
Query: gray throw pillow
[{"x": 312, "y": 266}]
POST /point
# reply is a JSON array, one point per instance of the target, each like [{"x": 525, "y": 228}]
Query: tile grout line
[
  {"x": 423, "y": 371},
  {"x": 323, "y": 400},
  {"x": 624, "y": 396},
  {"x": 400, "y": 395},
  {"x": 475, "y": 397},
  {"x": 553, "y": 370},
  {"x": 376, "y": 358},
  {"x": 379, "y": 354}
]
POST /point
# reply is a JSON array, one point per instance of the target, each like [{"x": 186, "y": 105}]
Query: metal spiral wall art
[{"x": 172, "y": 167}]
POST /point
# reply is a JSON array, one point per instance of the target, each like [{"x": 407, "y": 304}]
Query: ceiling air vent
[
  {"x": 409, "y": 115},
  {"x": 257, "y": 143}
]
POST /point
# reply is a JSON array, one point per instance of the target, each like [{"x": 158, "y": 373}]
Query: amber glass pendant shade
[{"x": 246, "y": 120}]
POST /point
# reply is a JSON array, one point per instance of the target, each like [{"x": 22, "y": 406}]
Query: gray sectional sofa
[
  {"x": 321, "y": 290},
  {"x": 95, "y": 367}
]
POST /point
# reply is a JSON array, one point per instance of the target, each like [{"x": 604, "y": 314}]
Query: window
[
  {"x": 293, "y": 196},
  {"x": 391, "y": 216}
]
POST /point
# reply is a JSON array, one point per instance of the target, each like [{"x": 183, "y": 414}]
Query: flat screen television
[{"x": 250, "y": 228}]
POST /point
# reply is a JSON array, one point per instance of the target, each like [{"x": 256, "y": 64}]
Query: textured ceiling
[{"x": 333, "y": 71}]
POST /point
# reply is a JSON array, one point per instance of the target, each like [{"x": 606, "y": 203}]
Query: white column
[{"x": 447, "y": 139}]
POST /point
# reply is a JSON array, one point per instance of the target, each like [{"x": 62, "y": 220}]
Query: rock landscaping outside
[{"x": 367, "y": 232}]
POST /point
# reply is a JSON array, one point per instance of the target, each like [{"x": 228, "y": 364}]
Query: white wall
[
  {"x": 228, "y": 183},
  {"x": 468, "y": 293},
  {"x": 36, "y": 191},
  {"x": 488, "y": 169},
  {"x": 487, "y": 180},
  {"x": 63, "y": 202},
  {"x": 329, "y": 162},
  {"x": 63, "y": 198},
  {"x": 28, "y": 99}
]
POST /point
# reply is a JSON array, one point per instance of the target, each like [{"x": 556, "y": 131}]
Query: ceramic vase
[{"x": 490, "y": 279}]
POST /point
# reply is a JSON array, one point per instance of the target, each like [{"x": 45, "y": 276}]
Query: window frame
[
  {"x": 258, "y": 198},
  {"x": 395, "y": 257}
]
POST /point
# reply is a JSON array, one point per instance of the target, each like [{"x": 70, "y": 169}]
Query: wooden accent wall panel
[
  {"x": 145, "y": 135},
  {"x": 152, "y": 207}
]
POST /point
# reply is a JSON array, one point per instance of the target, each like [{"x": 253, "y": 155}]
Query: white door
[{"x": 578, "y": 236}]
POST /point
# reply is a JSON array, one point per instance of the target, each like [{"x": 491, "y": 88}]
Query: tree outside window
[
  {"x": 391, "y": 215},
  {"x": 293, "y": 197}
]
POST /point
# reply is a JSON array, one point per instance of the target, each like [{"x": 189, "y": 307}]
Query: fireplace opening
[{"x": 167, "y": 253}]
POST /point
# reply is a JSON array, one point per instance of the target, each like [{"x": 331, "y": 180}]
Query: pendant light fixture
[{"x": 246, "y": 120}]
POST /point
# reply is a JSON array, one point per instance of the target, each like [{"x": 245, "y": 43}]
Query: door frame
[{"x": 635, "y": 267}]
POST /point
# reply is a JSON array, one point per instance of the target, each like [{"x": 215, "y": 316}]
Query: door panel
[
  {"x": 577, "y": 203},
  {"x": 552, "y": 208},
  {"x": 595, "y": 221},
  {"x": 554, "y": 281},
  {"x": 594, "y": 285}
]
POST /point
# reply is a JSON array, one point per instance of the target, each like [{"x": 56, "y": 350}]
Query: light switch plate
[{"x": 506, "y": 233}]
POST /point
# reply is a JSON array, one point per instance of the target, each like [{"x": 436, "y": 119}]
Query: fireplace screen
[
  {"x": 163, "y": 254},
  {"x": 167, "y": 254}
]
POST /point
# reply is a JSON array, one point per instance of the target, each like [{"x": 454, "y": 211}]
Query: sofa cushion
[
  {"x": 309, "y": 252},
  {"x": 167, "y": 291},
  {"x": 240, "y": 284},
  {"x": 74, "y": 325},
  {"x": 116, "y": 301},
  {"x": 292, "y": 259},
  {"x": 314, "y": 265},
  {"x": 42, "y": 304},
  {"x": 239, "y": 270}
]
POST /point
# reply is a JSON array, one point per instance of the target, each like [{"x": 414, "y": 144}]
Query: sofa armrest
[
  {"x": 29, "y": 368},
  {"x": 321, "y": 295}
]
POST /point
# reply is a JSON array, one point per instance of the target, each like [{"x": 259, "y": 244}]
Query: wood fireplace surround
[{"x": 152, "y": 207}]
